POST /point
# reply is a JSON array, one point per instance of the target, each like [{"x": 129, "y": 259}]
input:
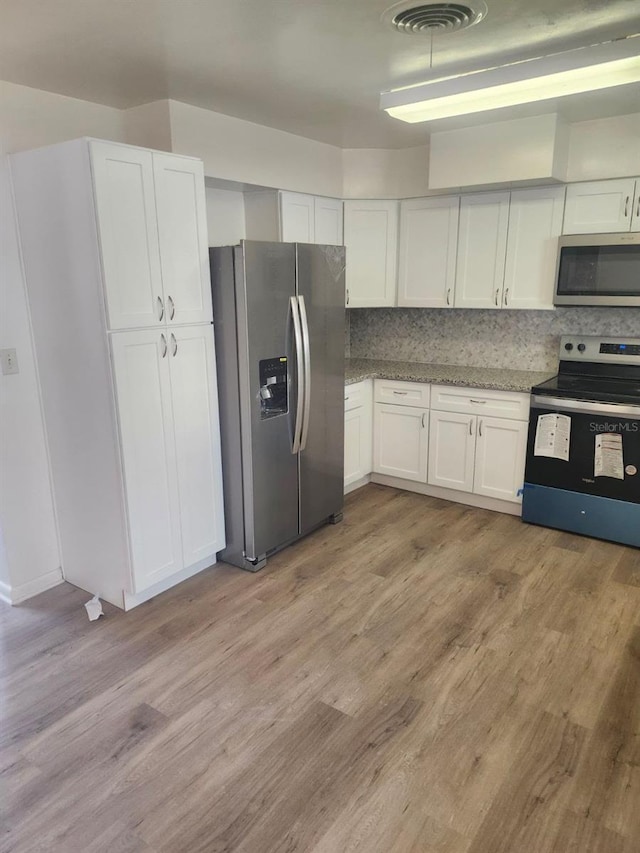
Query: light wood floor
[{"x": 423, "y": 677}]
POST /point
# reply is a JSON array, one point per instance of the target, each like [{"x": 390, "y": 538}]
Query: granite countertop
[{"x": 357, "y": 369}]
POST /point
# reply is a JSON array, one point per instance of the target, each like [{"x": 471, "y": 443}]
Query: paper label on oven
[
  {"x": 608, "y": 456},
  {"x": 553, "y": 434}
]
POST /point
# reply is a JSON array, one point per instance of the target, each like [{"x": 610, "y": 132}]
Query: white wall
[
  {"x": 225, "y": 217},
  {"x": 379, "y": 173},
  {"x": 237, "y": 150},
  {"x": 607, "y": 148},
  {"x": 28, "y": 119}
]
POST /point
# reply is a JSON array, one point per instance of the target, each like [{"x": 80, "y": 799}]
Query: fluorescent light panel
[{"x": 583, "y": 70}]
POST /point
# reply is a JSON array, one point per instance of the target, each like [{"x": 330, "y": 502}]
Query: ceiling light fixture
[{"x": 585, "y": 69}]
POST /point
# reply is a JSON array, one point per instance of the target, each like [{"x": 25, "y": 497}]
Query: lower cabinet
[
  {"x": 400, "y": 441},
  {"x": 358, "y": 433},
  {"x": 166, "y": 393},
  {"x": 463, "y": 440},
  {"x": 476, "y": 454}
]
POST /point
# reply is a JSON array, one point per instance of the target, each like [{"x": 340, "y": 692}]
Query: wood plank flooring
[{"x": 423, "y": 677}]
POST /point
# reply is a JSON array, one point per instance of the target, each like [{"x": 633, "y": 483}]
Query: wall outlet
[{"x": 9, "y": 361}]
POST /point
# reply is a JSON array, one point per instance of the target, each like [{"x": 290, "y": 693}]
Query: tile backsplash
[{"x": 525, "y": 340}]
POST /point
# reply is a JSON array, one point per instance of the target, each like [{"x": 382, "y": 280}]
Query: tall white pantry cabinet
[{"x": 114, "y": 244}]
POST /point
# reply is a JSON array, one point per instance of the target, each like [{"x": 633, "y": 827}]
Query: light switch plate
[{"x": 9, "y": 361}]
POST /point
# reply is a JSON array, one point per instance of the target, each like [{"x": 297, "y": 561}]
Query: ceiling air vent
[{"x": 431, "y": 18}]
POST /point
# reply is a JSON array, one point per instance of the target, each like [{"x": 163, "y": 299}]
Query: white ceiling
[{"x": 311, "y": 67}]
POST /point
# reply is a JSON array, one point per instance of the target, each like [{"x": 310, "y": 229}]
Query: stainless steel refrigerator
[{"x": 279, "y": 317}]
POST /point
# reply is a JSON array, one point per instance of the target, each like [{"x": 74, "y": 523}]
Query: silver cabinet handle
[
  {"x": 449, "y": 296},
  {"x": 164, "y": 345},
  {"x": 160, "y": 308},
  {"x": 297, "y": 334},
  {"x": 480, "y": 428},
  {"x": 626, "y": 207},
  {"x": 172, "y": 307},
  {"x": 478, "y": 402},
  {"x": 346, "y": 399},
  {"x": 174, "y": 344},
  {"x": 471, "y": 427},
  {"x": 506, "y": 296},
  {"x": 423, "y": 420},
  {"x": 497, "y": 294},
  {"x": 638, "y": 205},
  {"x": 401, "y": 393},
  {"x": 347, "y": 296},
  {"x": 306, "y": 350}
]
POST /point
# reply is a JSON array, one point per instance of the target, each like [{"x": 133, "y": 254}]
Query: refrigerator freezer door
[
  {"x": 320, "y": 282},
  {"x": 265, "y": 283}
]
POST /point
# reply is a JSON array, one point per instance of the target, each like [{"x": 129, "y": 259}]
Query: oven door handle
[{"x": 540, "y": 401}]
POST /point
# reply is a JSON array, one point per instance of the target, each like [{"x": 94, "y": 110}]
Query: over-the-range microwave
[{"x": 598, "y": 269}]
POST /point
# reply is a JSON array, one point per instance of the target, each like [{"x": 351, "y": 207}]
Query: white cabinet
[
  {"x": 184, "y": 245},
  {"x": 500, "y": 458},
  {"x": 428, "y": 244},
  {"x": 128, "y": 231},
  {"x": 452, "y": 440},
  {"x": 535, "y": 223},
  {"x": 400, "y": 441},
  {"x": 401, "y": 429},
  {"x": 600, "y": 207},
  {"x": 358, "y": 433},
  {"x": 328, "y": 221},
  {"x": 143, "y": 388},
  {"x": 481, "y": 453},
  {"x": 310, "y": 219},
  {"x": 482, "y": 241},
  {"x": 371, "y": 235},
  {"x": 166, "y": 393},
  {"x": 151, "y": 218},
  {"x": 129, "y": 395}
]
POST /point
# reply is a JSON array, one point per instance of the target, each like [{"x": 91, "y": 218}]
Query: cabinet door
[
  {"x": 357, "y": 444},
  {"x": 197, "y": 437},
  {"x": 126, "y": 219},
  {"x": 428, "y": 243},
  {"x": 452, "y": 440},
  {"x": 599, "y": 207},
  {"x": 182, "y": 227},
  {"x": 635, "y": 217},
  {"x": 297, "y": 218},
  {"x": 482, "y": 243},
  {"x": 370, "y": 235},
  {"x": 535, "y": 223},
  {"x": 500, "y": 458},
  {"x": 328, "y": 222},
  {"x": 400, "y": 441},
  {"x": 141, "y": 368}
]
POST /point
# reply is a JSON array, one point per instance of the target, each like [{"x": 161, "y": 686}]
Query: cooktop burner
[{"x": 594, "y": 368}]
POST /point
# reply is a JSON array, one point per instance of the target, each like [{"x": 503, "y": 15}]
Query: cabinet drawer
[
  {"x": 356, "y": 395},
  {"x": 502, "y": 404},
  {"x": 402, "y": 393}
]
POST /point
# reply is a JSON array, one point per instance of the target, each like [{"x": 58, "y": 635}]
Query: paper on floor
[{"x": 94, "y": 608}]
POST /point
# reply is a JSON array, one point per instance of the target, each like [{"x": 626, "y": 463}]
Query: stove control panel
[{"x": 600, "y": 349}]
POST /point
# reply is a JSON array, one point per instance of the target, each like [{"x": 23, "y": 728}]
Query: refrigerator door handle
[
  {"x": 306, "y": 350},
  {"x": 297, "y": 333}
]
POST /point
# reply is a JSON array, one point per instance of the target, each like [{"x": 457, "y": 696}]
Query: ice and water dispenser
[{"x": 274, "y": 388}]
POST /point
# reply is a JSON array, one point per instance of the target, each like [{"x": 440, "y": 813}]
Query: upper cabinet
[
  {"x": 310, "y": 219},
  {"x": 482, "y": 242},
  {"x": 371, "y": 236},
  {"x": 535, "y": 223},
  {"x": 151, "y": 222},
  {"x": 600, "y": 207},
  {"x": 428, "y": 244}
]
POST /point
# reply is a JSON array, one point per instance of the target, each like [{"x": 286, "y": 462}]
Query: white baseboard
[
  {"x": 480, "y": 501},
  {"x": 18, "y": 594},
  {"x": 357, "y": 484}
]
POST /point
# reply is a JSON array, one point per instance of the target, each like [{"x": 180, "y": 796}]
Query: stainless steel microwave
[{"x": 598, "y": 269}]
